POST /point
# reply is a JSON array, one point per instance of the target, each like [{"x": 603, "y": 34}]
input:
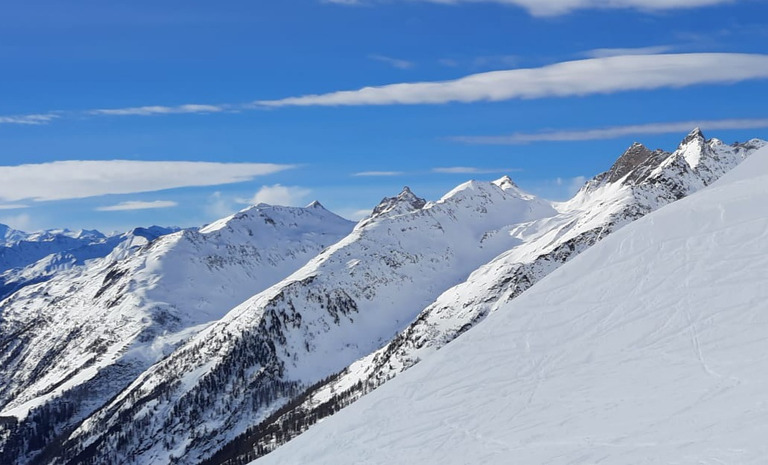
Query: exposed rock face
[{"x": 406, "y": 201}]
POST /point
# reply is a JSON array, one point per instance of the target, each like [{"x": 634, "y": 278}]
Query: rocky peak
[
  {"x": 404, "y": 202},
  {"x": 505, "y": 182},
  {"x": 633, "y": 164},
  {"x": 695, "y": 135},
  {"x": 694, "y": 148}
]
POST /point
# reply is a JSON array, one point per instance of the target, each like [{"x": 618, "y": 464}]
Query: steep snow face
[
  {"x": 88, "y": 332},
  {"x": 639, "y": 182},
  {"x": 345, "y": 303},
  {"x": 648, "y": 348}
]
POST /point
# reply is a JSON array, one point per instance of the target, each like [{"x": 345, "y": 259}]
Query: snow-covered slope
[
  {"x": 639, "y": 182},
  {"x": 647, "y": 348},
  {"x": 70, "y": 344},
  {"x": 347, "y": 302}
]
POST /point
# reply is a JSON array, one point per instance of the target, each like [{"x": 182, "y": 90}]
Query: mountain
[
  {"x": 189, "y": 373},
  {"x": 67, "y": 250},
  {"x": 19, "y": 249},
  {"x": 9, "y": 235},
  {"x": 348, "y": 301},
  {"x": 647, "y": 348},
  {"x": 639, "y": 182},
  {"x": 70, "y": 344}
]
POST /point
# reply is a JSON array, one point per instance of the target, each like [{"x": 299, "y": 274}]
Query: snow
[
  {"x": 647, "y": 348},
  {"x": 134, "y": 306},
  {"x": 345, "y": 303},
  {"x": 640, "y": 181}
]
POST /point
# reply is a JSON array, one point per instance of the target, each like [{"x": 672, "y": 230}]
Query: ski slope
[{"x": 650, "y": 347}]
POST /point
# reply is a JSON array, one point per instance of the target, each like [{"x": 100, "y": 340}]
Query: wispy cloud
[
  {"x": 612, "y": 52},
  {"x": 75, "y": 179},
  {"x": 558, "y": 189},
  {"x": 471, "y": 170},
  {"x": 613, "y": 132},
  {"x": 573, "y": 78},
  {"x": 29, "y": 119},
  {"x": 219, "y": 206},
  {"x": 505, "y": 61},
  {"x": 280, "y": 195},
  {"x": 483, "y": 61},
  {"x": 13, "y": 206},
  {"x": 22, "y": 222},
  {"x": 161, "y": 110},
  {"x": 560, "y": 7},
  {"x": 379, "y": 173},
  {"x": 393, "y": 62},
  {"x": 138, "y": 205},
  {"x": 605, "y": 75}
]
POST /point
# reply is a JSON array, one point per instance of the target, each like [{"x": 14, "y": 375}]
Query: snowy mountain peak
[
  {"x": 406, "y": 201},
  {"x": 10, "y": 235},
  {"x": 695, "y": 135},
  {"x": 254, "y": 218},
  {"x": 692, "y": 148},
  {"x": 315, "y": 204},
  {"x": 505, "y": 183}
]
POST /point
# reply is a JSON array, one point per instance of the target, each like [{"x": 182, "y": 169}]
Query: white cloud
[
  {"x": 161, "y": 110},
  {"x": 138, "y": 205},
  {"x": 393, "y": 62},
  {"x": 13, "y": 206},
  {"x": 379, "y": 173},
  {"x": 573, "y": 78},
  {"x": 22, "y": 222},
  {"x": 218, "y": 206},
  {"x": 281, "y": 195},
  {"x": 75, "y": 179},
  {"x": 449, "y": 62},
  {"x": 470, "y": 170},
  {"x": 614, "y": 132},
  {"x": 612, "y": 52},
  {"x": 28, "y": 119},
  {"x": 560, "y": 7},
  {"x": 558, "y": 189}
]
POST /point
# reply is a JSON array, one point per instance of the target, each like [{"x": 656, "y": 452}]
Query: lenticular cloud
[{"x": 573, "y": 78}]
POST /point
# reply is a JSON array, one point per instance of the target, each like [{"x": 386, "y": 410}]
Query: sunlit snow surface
[{"x": 651, "y": 347}]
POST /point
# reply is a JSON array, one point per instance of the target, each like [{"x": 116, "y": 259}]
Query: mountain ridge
[
  {"x": 646, "y": 348},
  {"x": 401, "y": 284}
]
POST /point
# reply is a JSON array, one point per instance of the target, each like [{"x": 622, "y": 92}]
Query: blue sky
[{"x": 252, "y": 88}]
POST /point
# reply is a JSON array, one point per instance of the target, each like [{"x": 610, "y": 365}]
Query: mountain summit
[{"x": 406, "y": 201}]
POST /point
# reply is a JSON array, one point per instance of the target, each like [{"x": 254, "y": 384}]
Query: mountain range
[
  {"x": 647, "y": 348},
  {"x": 219, "y": 344}
]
